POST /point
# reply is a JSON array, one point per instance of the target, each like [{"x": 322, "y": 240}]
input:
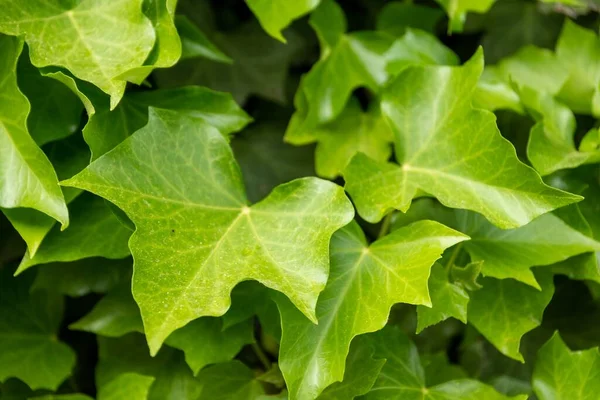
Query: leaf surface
[
  {"x": 275, "y": 15},
  {"x": 129, "y": 385}
]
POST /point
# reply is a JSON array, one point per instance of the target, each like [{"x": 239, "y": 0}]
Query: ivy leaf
[
  {"x": 275, "y": 15},
  {"x": 403, "y": 377},
  {"x": 457, "y": 11},
  {"x": 564, "y": 374},
  {"x": 504, "y": 310},
  {"x": 68, "y": 157},
  {"x": 428, "y": 129},
  {"x": 29, "y": 323},
  {"x": 579, "y": 50},
  {"x": 82, "y": 277},
  {"x": 28, "y": 179},
  {"x": 129, "y": 354},
  {"x": 106, "y": 129},
  {"x": 447, "y": 299},
  {"x": 364, "y": 282},
  {"x": 467, "y": 276},
  {"x": 244, "y": 242},
  {"x": 361, "y": 372},
  {"x": 395, "y": 17},
  {"x": 229, "y": 381},
  {"x": 94, "y": 232},
  {"x": 167, "y": 47},
  {"x": 99, "y": 53},
  {"x": 196, "y": 44},
  {"x": 129, "y": 385},
  {"x": 74, "y": 396}
]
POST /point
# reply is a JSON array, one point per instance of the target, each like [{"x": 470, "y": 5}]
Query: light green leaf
[
  {"x": 129, "y": 354},
  {"x": 403, "y": 378},
  {"x": 167, "y": 48},
  {"x": 579, "y": 50},
  {"x": 504, "y": 310},
  {"x": 241, "y": 243},
  {"x": 494, "y": 93},
  {"x": 360, "y": 375},
  {"x": 126, "y": 386},
  {"x": 28, "y": 179},
  {"x": 447, "y": 299},
  {"x": 275, "y": 15},
  {"x": 81, "y": 36},
  {"x": 55, "y": 110},
  {"x": 450, "y": 150},
  {"x": 364, "y": 282},
  {"x": 229, "y": 381},
  {"x": 329, "y": 23},
  {"x": 562, "y": 374},
  {"x": 29, "y": 323},
  {"x": 457, "y": 11},
  {"x": 195, "y": 43},
  {"x": 68, "y": 157},
  {"x": 94, "y": 232},
  {"x": 396, "y": 16},
  {"x": 82, "y": 277},
  {"x": 106, "y": 129},
  {"x": 352, "y": 132}
]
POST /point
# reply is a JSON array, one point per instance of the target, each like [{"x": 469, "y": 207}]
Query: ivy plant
[{"x": 301, "y": 200}]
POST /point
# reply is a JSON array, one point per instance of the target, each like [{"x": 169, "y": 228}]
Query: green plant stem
[
  {"x": 453, "y": 257},
  {"x": 385, "y": 225},
  {"x": 261, "y": 356}
]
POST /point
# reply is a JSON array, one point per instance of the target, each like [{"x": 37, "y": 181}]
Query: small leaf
[
  {"x": 196, "y": 44},
  {"x": 562, "y": 374},
  {"x": 230, "y": 381},
  {"x": 457, "y": 11},
  {"x": 275, "y": 15},
  {"x": 129, "y": 385},
  {"x": 395, "y": 17}
]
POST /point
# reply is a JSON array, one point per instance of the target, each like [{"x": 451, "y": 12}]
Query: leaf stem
[
  {"x": 261, "y": 356},
  {"x": 385, "y": 225},
  {"x": 453, "y": 257}
]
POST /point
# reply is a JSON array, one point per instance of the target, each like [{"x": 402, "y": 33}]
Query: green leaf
[
  {"x": 129, "y": 385},
  {"x": 68, "y": 157},
  {"x": 195, "y": 43},
  {"x": 229, "y": 381},
  {"x": 579, "y": 50},
  {"x": 106, "y": 129},
  {"x": 261, "y": 65},
  {"x": 61, "y": 397},
  {"x": 167, "y": 48},
  {"x": 466, "y": 276},
  {"x": 253, "y": 238},
  {"x": 28, "y": 179},
  {"x": 504, "y": 310},
  {"x": 29, "y": 323},
  {"x": 81, "y": 36},
  {"x": 94, "y": 232},
  {"x": 428, "y": 129},
  {"x": 364, "y": 282},
  {"x": 129, "y": 354},
  {"x": 82, "y": 277},
  {"x": 494, "y": 93},
  {"x": 564, "y": 374},
  {"x": 447, "y": 299},
  {"x": 457, "y": 11},
  {"x": 55, "y": 110},
  {"x": 275, "y": 15},
  {"x": 395, "y": 17},
  {"x": 361, "y": 372},
  {"x": 402, "y": 376}
]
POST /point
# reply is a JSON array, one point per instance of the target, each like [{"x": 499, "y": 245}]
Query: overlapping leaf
[
  {"x": 281, "y": 241},
  {"x": 275, "y": 15}
]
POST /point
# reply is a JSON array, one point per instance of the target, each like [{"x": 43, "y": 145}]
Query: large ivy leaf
[
  {"x": 275, "y": 15},
  {"x": 504, "y": 310},
  {"x": 126, "y": 386},
  {"x": 364, "y": 282},
  {"x": 403, "y": 377},
  {"x": 28, "y": 179},
  {"x": 81, "y": 36},
  {"x": 579, "y": 50},
  {"x": 94, "y": 232},
  {"x": 457, "y": 11},
  {"x": 129, "y": 354},
  {"x": 229, "y": 381},
  {"x": 562, "y": 374},
  {"x": 442, "y": 144},
  {"x": 68, "y": 157},
  {"x": 281, "y": 241},
  {"x": 107, "y": 128},
  {"x": 29, "y": 323}
]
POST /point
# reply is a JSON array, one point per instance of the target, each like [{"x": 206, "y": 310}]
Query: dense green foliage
[{"x": 307, "y": 199}]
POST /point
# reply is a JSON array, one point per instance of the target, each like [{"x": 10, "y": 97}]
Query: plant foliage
[{"x": 302, "y": 200}]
